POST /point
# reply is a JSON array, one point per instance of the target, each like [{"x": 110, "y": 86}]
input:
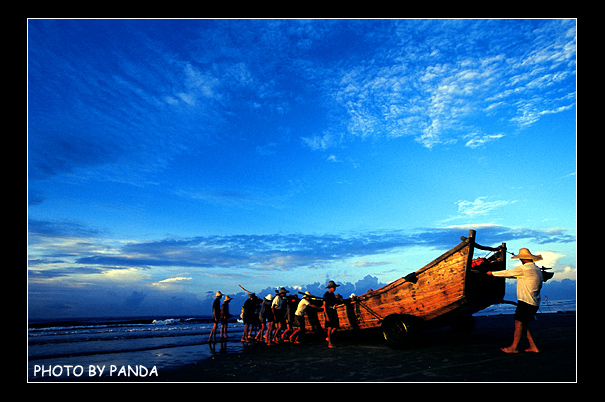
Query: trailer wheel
[{"x": 399, "y": 330}]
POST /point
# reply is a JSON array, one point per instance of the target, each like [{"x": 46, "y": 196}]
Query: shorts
[
  {"x": 250, "y": 319},
  {"x": 299, "y": 321},
  {"x": 265, "y": 318},
  {"x": 280, "y": 316},
  {"x": 525, "y": 312},
  {"x": 332, "y": 318}
]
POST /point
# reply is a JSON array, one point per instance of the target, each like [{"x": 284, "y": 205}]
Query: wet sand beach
[{"x": 439, "y": 355}]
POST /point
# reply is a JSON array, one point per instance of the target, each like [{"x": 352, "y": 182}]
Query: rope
[{"x": 369, "y": 310}]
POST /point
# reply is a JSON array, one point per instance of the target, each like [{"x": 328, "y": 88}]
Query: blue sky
[{"x": 168, "y": 159}]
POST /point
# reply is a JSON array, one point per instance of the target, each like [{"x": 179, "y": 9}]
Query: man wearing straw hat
[
  {"x": 216, "y": 315},
  {"x": 331, "y": 315},
  {"x": 529, "y": 282},
  {"x": 225, "y": 316}
]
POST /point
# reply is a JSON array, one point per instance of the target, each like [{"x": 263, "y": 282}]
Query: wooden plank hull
[{"x": 443, "y": 290}]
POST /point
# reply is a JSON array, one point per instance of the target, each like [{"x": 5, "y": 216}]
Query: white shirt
[
  {"x": 529, "y": 282},
  {"x": 302, "y": 306},
  {"x": 278, "y": 303}
]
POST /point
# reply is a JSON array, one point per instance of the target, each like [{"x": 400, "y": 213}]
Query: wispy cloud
[
  {"x": 424, "y": 90},
  {"x": 478, "y": 140},
  {"x": 480, "y": 206},
  {"x": 171, "y": 281},
  {"x": 322, "y": 142}
]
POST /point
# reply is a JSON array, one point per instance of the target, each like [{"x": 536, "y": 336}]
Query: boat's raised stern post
[
  {"x": 470, "y": 238},
  {"x": 471, "y": 251}
]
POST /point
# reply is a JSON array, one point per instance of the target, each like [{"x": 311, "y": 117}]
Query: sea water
[
  {"x": 546, "y": 306},
  {"x": 123, "y": 348}
]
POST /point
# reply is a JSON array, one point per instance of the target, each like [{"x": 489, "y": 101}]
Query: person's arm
[{"x": 509, "y": 273}]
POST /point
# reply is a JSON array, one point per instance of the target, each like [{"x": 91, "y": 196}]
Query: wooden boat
[{"x": 446, "y": 291}]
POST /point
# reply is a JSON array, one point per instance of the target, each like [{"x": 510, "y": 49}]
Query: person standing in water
[
  {"x": 216, "y": 316},
  {"x": 225, "y": 317}
]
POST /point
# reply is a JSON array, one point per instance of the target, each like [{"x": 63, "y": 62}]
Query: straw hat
[
  {"x": 228, "y": 299},
  {"x": 219, "y": 294},
  {"x": 331, "y": 284},
  {"x": 524, "y": 254},
  {"x": 307, "y": 294},
  {"x": 269, "y": 297}
]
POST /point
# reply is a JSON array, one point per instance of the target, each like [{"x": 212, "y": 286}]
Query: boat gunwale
[{"x": 398, "y": 282}]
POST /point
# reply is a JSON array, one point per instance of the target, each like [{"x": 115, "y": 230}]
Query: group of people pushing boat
[{"x": 277, "y": 318}]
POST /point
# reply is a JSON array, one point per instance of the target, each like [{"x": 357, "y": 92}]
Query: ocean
[
  {"x": 135, "y": 348},
  {"x": 546, "y": 306},
  {"x": 122, "y": 348}
]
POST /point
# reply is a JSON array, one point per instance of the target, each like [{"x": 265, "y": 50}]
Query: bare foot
[
  {"x": 509, "y": 350},
  {"x": 532, "y": 350}
]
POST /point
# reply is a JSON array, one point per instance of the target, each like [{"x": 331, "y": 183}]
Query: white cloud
[
  {"x": 177, "y": 279},
  {"x": 320, "y": 142},
  {"x": 551, "y": 259},
  {"x": 480, "y": 206},
  {"x": 477, "y": 140},
  {"x": 169, "y": 281},
  {"x": 366, "y": 263}
]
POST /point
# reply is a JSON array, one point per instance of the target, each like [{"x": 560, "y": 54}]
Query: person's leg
[
  {"x": 294, "y": 337},
  {"x": 331, "y": 331},
  {"x": 245, "y": 333},
  {"x": 532, "y": 345},
  {"x": 212, "y": 337},
  {"x": 259, "y": 334},
  {"x": 269, "y": 333},
  {"x": 519, "y": 329}
]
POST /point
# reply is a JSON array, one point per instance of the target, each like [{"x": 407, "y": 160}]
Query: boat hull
[{"x": 447, "y": 289}]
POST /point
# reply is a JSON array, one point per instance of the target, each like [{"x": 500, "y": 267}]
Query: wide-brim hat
[
  {"x": 307, "y": 294},
  {"x": 525, "y": 254},
  {"x": 331, "y": 284},
  {"x": 269, "y": 297},
  {"x": 219, "y": 294},
  {"x": 227, "y": 298}
]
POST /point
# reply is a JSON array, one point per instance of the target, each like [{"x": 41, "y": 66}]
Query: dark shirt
[
  {"x": 225, "y": 311},
  {"x": 329, "y": 299},
  {"x": 249, "y": 306},
  {"x": 216, "y": 308}
]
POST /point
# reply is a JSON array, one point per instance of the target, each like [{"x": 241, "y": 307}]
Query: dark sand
[{"x": 439, "y": 355}]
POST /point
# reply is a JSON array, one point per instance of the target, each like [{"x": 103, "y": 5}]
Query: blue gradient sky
[{"x": 168, "y": 159}]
